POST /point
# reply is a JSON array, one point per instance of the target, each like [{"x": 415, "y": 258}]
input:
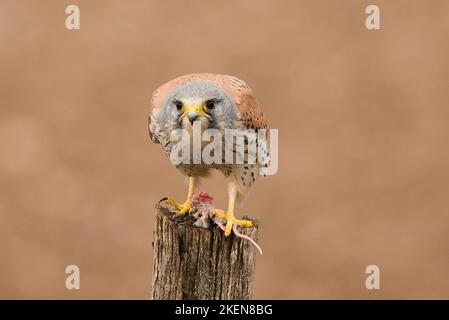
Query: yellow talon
[
  {"x": 231, "y": 220},
  {"x": 181, "y": 209},
  {"x": 219, "y": 214},
  {"x": 172, "y": 202}
]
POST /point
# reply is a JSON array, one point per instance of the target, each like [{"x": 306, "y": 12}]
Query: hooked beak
[{"x": 192, "y": 112}]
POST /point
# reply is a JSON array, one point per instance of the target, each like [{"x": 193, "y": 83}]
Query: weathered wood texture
[{"x": 195, "y": 263}]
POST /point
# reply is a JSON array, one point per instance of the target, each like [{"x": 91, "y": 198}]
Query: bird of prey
[{"x": 217, "y": 101}]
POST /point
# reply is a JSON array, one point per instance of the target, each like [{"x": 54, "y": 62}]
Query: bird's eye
[
  {"x": 209, "y": 105},
  {"x": 178, "y": 105}
]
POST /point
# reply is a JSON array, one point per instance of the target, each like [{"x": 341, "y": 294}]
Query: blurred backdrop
[{"x": 363, "y": 126}]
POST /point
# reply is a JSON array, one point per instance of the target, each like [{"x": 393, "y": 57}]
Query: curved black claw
[{"x": 163, "y": 199}]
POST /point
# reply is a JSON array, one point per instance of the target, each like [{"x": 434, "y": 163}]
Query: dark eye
[
  {"x": 209, "y": 105},
  {"x": 178, "y": 105}
]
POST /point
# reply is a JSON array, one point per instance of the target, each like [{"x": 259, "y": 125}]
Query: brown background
[{"x": 362, "y": 116}]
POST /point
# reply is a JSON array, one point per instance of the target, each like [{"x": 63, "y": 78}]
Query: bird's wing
[
  {"x": 245, "y": 100},
  {"x": 152, "y": 130}
]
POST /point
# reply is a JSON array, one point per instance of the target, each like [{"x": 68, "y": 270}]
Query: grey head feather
[{"x": 224, "y": 114}]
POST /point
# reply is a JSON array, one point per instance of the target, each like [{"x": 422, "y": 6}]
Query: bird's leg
[
  {"x": 229, "y": 215},
  {"x": 182, "y": 209}
]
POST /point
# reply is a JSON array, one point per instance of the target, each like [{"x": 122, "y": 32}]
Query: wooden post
[{"x": 196, "y": 263}]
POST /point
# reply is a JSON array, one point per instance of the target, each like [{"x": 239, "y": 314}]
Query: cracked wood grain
[{"x": 193, "y": 263}]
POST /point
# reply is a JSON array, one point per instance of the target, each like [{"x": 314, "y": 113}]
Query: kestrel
[{"x": 217, "y": 101}]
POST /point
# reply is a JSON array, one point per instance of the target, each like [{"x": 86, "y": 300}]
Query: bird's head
[{"x": 200, "y": 101}]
